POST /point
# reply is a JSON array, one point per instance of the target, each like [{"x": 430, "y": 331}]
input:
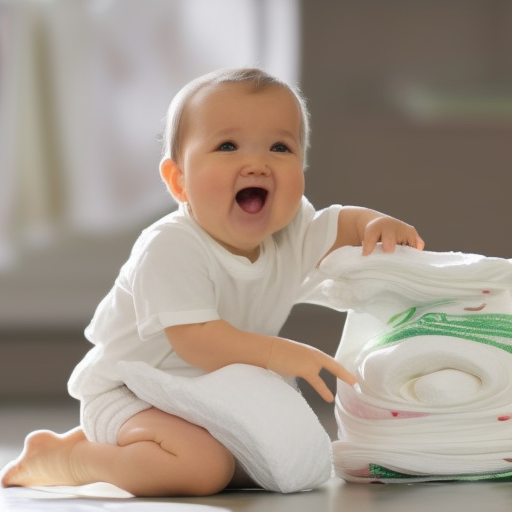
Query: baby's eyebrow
[
  {"x": 226, "y": 132},
  {"x": 287, "y": 134}
]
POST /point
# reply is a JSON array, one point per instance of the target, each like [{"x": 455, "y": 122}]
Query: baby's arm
[
  {"x": 362, "y": 226},
  {"x": 213, "y": 345}
]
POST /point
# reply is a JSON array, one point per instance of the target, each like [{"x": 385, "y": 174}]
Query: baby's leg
[{"x": 157, "y": 455}]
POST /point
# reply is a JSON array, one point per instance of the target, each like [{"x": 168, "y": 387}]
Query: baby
[{"x": 206, "y": 286}]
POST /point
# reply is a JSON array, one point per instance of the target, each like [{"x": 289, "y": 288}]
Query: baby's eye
[
  {"x": 227, "y": 146},
  {"x": 279, "y": 147}
]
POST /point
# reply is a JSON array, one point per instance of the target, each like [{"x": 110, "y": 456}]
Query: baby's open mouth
[{"x": 252, "y": 199}]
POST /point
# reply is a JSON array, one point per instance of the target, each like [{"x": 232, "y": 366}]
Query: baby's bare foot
[{"x": 44, "y": 460}]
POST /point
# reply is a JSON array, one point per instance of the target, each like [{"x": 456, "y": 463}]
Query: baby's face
[{"x": 241, "y": 160}]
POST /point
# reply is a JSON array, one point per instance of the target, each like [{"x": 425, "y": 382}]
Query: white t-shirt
[{"x": 178, "y": 274}]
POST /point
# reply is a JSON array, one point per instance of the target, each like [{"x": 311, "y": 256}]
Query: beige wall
[{"x": 449, "y": 176}]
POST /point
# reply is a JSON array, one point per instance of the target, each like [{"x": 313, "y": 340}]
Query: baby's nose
[{"x": 255, "y": 167}]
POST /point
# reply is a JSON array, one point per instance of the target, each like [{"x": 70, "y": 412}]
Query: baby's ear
[{"x": 174, "y": 179}]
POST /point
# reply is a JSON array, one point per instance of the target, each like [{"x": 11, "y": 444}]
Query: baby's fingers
[
  {"x": 418, "y": 243},
  {"x": 318, "y": 384},
  {"x": 332, "y": 366},
  {"x": 390, "y": 232},
  {"x": 340, "y": 372},
  {"x": 406, "y": 236},
  {"x": 371, "y": 238}
]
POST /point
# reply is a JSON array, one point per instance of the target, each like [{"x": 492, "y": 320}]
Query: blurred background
[{"x": 411, "y": 107}]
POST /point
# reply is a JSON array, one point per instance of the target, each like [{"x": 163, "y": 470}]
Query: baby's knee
[
  {"x": 212, "y": 468},
  {"x": 215, "y": 476},
  {"x": 205, "y": 465}
]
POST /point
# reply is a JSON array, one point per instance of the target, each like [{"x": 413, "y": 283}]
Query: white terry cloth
[
  {"x": 102, "y": 416},
  {"x": 429, "y": 337},
  {"x": 261, "y": 419}
]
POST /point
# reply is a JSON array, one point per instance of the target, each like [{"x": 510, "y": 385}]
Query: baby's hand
[
  {"x": 291, "y": 359},
  {"x": 391, "y": 232}
]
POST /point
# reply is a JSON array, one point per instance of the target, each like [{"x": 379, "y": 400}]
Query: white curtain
[
  {"x": 84, "y": 86},
  {"x": 9, "y": 57},
  {"x": 24, "y": 189}
]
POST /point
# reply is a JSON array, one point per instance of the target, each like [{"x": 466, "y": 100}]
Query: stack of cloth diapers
[{"x": 429, "y": 337}]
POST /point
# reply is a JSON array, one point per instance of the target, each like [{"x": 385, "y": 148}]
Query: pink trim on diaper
[{"x": 350, "y": 400}]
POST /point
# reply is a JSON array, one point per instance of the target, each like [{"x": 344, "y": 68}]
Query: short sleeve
[
  {"x": 172, "y": 283},
  {"x": 312, "y": 233}
]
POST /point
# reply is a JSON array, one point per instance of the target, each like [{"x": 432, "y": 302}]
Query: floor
[{"x": 19, "y": 418}]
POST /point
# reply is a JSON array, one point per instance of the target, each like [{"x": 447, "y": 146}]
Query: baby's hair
[{"x": 259, "y": 78}]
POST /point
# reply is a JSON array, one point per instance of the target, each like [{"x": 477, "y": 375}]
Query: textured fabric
[
  {"x": 429, "y": 336},
  {"x": 102, "y": 416},
  {"x": 262, "y": 420}
]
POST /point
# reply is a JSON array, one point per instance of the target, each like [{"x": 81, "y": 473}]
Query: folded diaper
[
  {"x": 429, "y": 336},
  {"x": 265, "y": 423}
]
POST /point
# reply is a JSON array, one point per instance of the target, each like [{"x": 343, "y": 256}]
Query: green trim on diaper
[
  {"x": 482, "y": 328},
  {"x": 405, "y": 316},
  {"x": 381, "y": 472}
]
